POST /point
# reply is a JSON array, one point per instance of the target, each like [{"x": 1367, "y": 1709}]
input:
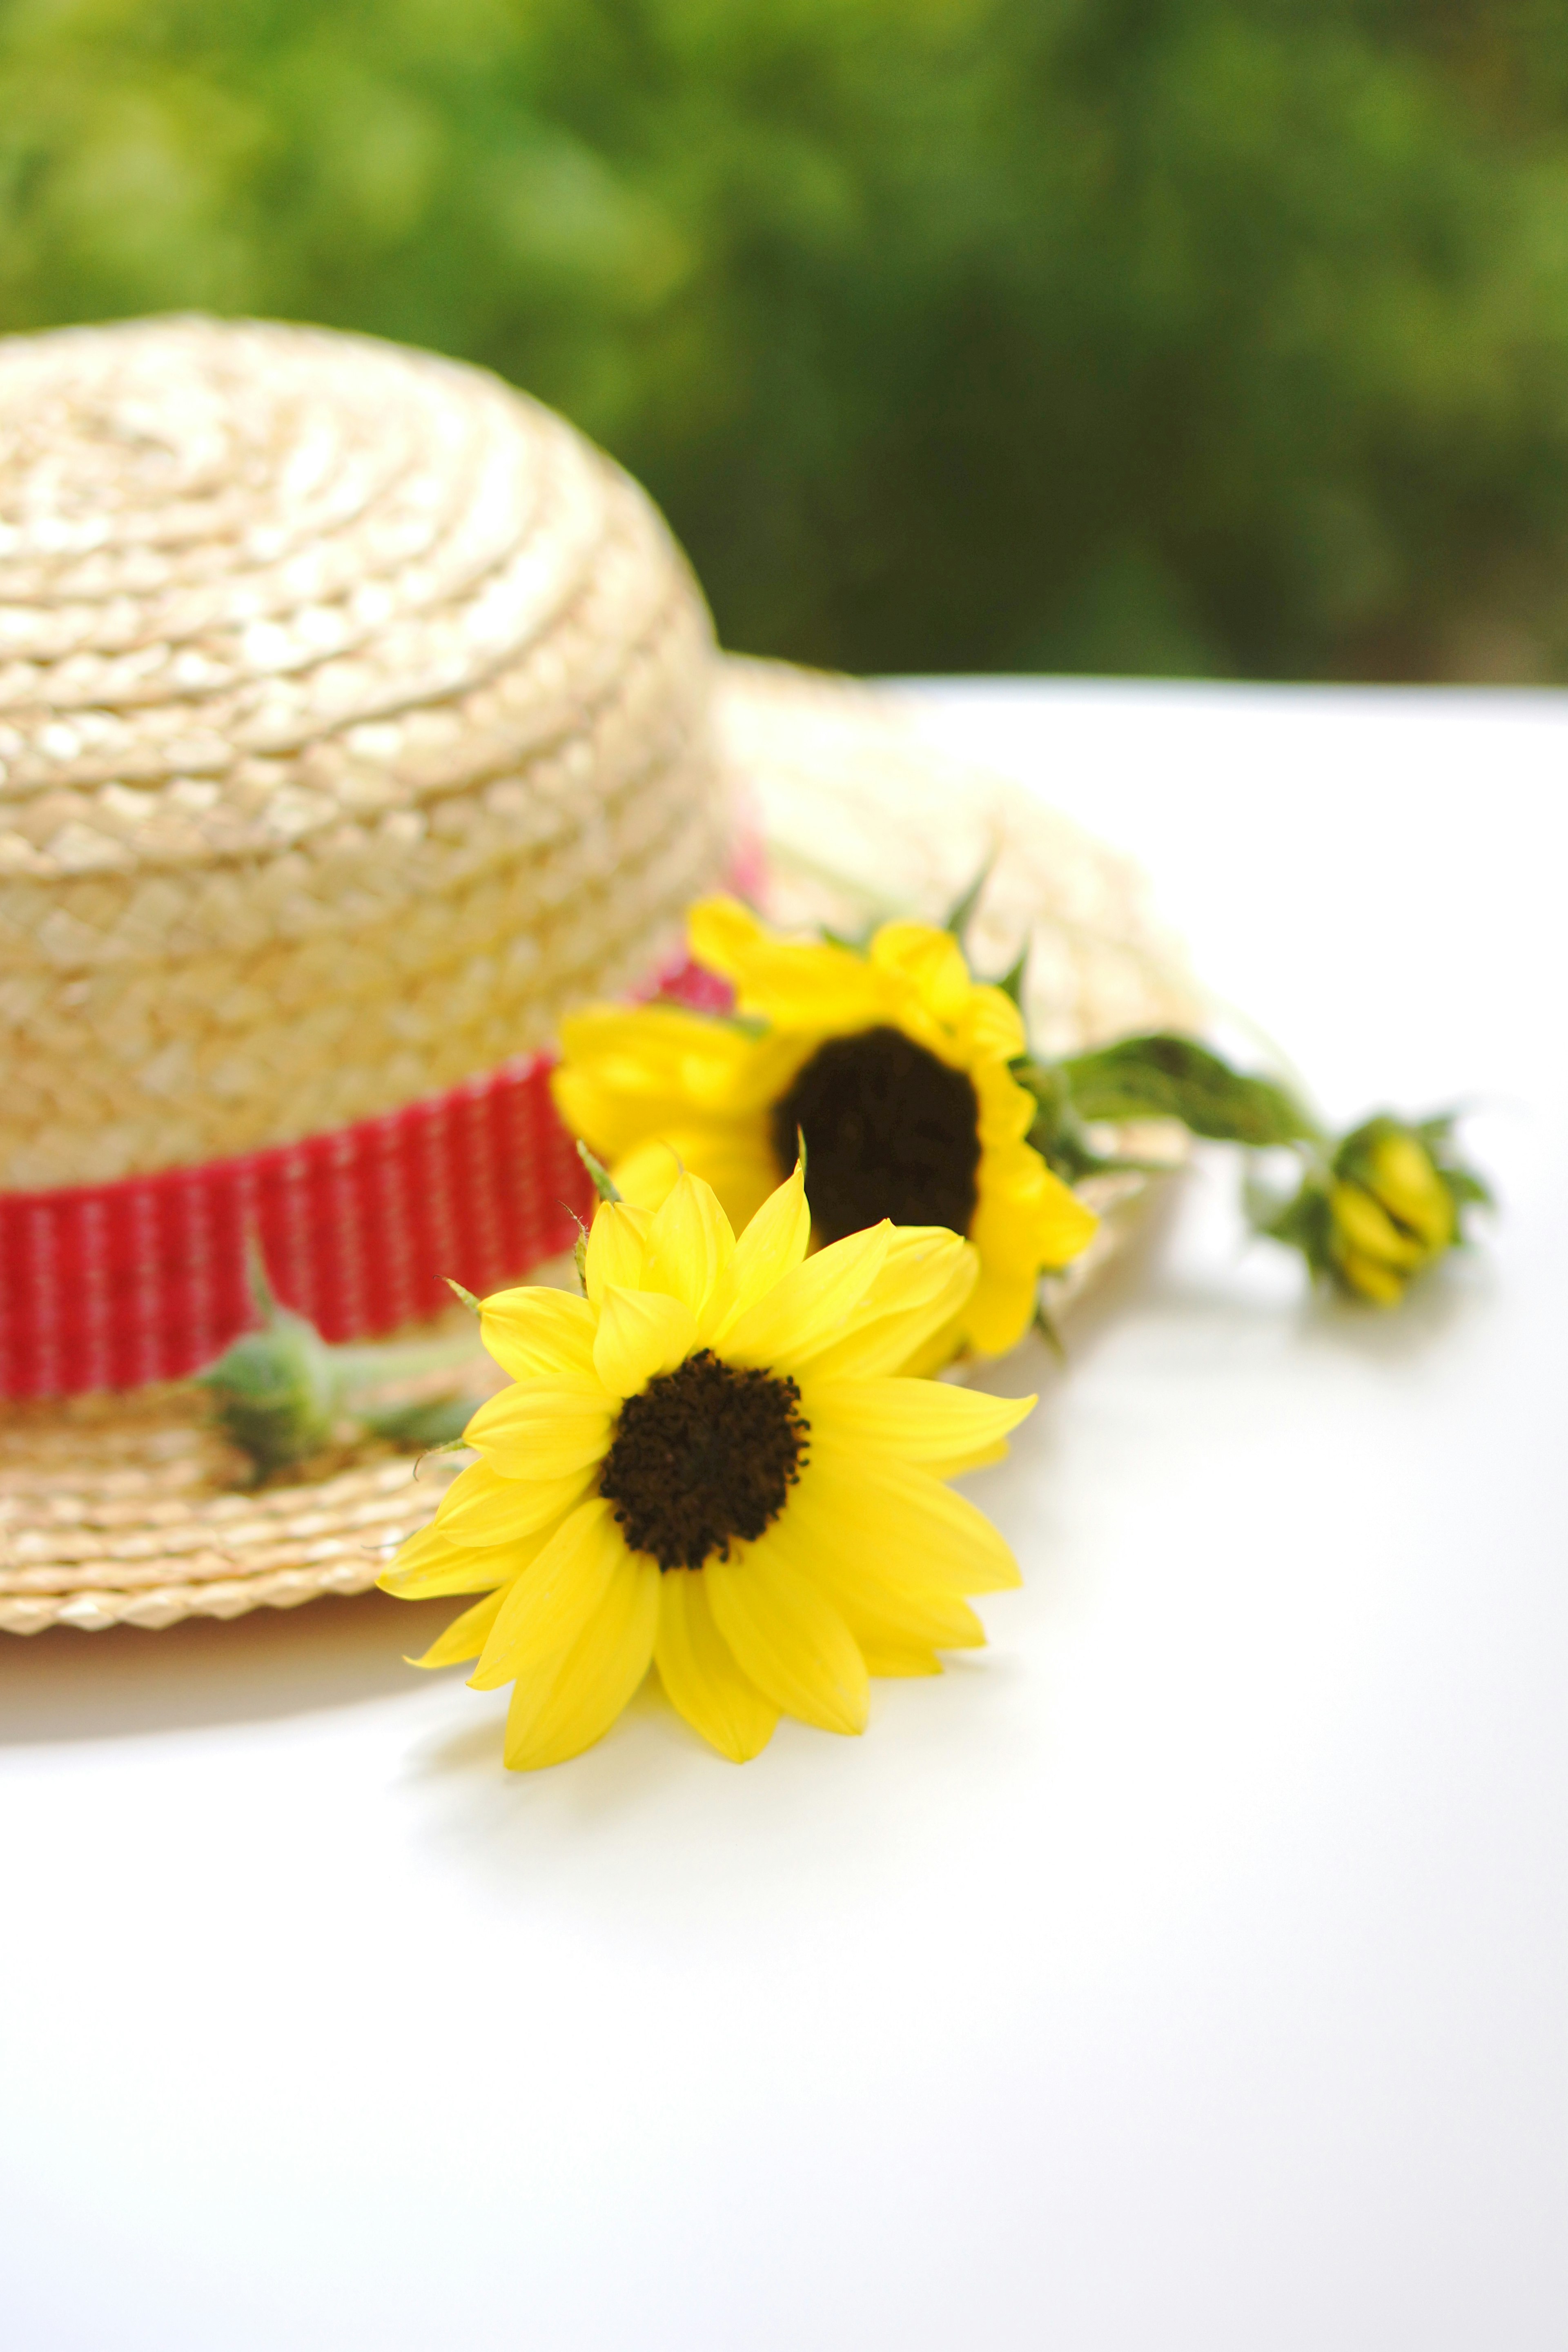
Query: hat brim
[{"x": 123, "y": 1509}]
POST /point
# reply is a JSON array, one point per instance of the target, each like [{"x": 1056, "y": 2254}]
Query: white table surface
[{"x": 1187, "y": 1970}]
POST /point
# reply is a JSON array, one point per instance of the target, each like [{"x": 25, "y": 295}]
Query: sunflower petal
[
  {"x": 647, "y": 1174},
  {"x": 881, "y": 1593},
  {"x": 465, "y": 1637},
  {"x": 929, "y": 1422},
  {"x": 807, "y": 1306},
  {"x": 792, "y": 985},
  {"x": 993, "y": 1026},
  {"x": 699, "y": 1674},
  {"x": 921, "y": 1529},
  {"x": 723, "y": 933},
  {"x": 533, "y": 1331},
  {"x": 641, "y": 1334},
  {"x": 1000, "y": 1310},
  {"x": 531, "y": 1431},
  {"x": 547, "y": 1607},
  {"x": 885, "y": 1663},
  {"x": 788, "y": 1638},
  {"x": 772, "y": 1244},
  {"x": 482, "y": 1507},
  {"x": 430, "y": 1565},
  {"x": 557, "y": 1713},
  {"x": 614, "y": 1251},
  {"x": 931, "y": 961},
  {"x": 1007, "y": 1111},
  {"x": 924, "y": 1283},
  {"x": 690, "y": 1244},
  {"x": 736, "y": 1161}
]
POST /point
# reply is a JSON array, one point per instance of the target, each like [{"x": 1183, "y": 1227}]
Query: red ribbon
[{"x": 108, "y": 1285}]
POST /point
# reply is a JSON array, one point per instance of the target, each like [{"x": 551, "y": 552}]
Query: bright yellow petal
[
  {"x": 535, "y": 1331},
  {"x": 1027, "y": 1218},
  {"x": 806, "y": 1306},
  {"x": 648, "y": 1174},
  {"x": 641, "y": 1334},
  {"x": 882, "y": 1598},
  {"x": 788, "y": 1638},
  {"x": 721, "y": 933},
  {"x": 615, "y": 1253},
  {"x": 534, "y": 1431},
  {"x": 465, "y": 1637},
  {"x": 1404, "y": 1178},
  {"x": 909, "y": 1525},
  {"x": 699, "y": 1674},
  {"x": 430, "y": 1565},
  {"x": 993, "y": 1028},
  {"x": 1007, "y": 1111},
  {"x": 884, "y": 1662},
  {"x": 930, "y": 960},
  {"x": 481, "y": 1507},
  {"x": 924, "y": 1282},
  {"x": 790, "y": 984},
  {"x": 546, "y": 1607},
  {"x": 1369, "y": 1230},
  {"x": 772, "y": 1244},
  {"x": 737, "y": 1160},
  {"x": 558, "y": 1712},
  {"x": 944, "y": 1428},
  {"x": 1370, "y": 1277},
  {"x": 627, "y": 1072},
  {"x": 690, "y": 1244},
  {"x": 1000, "y": 1310}
]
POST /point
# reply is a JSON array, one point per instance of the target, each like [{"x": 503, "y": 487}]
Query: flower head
[
  {"x": 708, "y": 1462},
  {"x": 892, "y": 1064},
  {"x": 1389, "y": 1203}
]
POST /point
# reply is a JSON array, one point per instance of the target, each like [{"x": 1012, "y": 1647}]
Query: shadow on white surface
[{"x": 62, "y": 1685}]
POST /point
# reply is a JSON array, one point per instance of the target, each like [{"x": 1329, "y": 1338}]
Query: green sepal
[
  {"x": 433, "y": 1424},
  {"x": 458, "y": 1291},
  {"x": 1301, "y": 1220},
  {"x": 1048, "y": 1332},
  {"x": 960, "y": 914},
  {"x": 1012, "y": 981},
  {"x": 1164, "y": 1075},
  {"x": 603, "y": 1183}
]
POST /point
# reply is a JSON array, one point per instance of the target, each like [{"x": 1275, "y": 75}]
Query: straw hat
[{"x": 356, "y": 717}]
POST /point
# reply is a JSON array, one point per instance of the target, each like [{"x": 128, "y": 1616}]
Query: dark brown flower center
[
  {"x": 704, "y": 1458},
  {"x": 890, "y": 1131}
]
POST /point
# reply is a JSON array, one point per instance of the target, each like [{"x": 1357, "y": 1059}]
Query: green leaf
[
  {"x": 1059, "y": 1135},
  {"x": 1164, "y": 1075}
]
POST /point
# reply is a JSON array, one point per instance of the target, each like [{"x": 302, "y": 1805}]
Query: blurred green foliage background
[{"x": 1210, "y": 336}]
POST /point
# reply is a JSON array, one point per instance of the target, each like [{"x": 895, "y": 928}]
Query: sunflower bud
[
  {"x": 1388, "y": 1204},
  {"x": 281, "y": 1394},
  {"x": 276, "y": 1393}
]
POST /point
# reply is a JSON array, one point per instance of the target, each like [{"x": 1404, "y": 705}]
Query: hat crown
[{"x": 353, "y": 722}]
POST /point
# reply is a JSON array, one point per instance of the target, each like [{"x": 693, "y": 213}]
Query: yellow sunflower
[
  {"x": 708, "y": 1464},
  {"x": 893, "y": 1065}
]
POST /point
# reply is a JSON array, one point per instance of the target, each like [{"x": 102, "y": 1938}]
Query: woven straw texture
[
  {"x": 353, "y": 722},
  {"x": 125, "y": 1510}
]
